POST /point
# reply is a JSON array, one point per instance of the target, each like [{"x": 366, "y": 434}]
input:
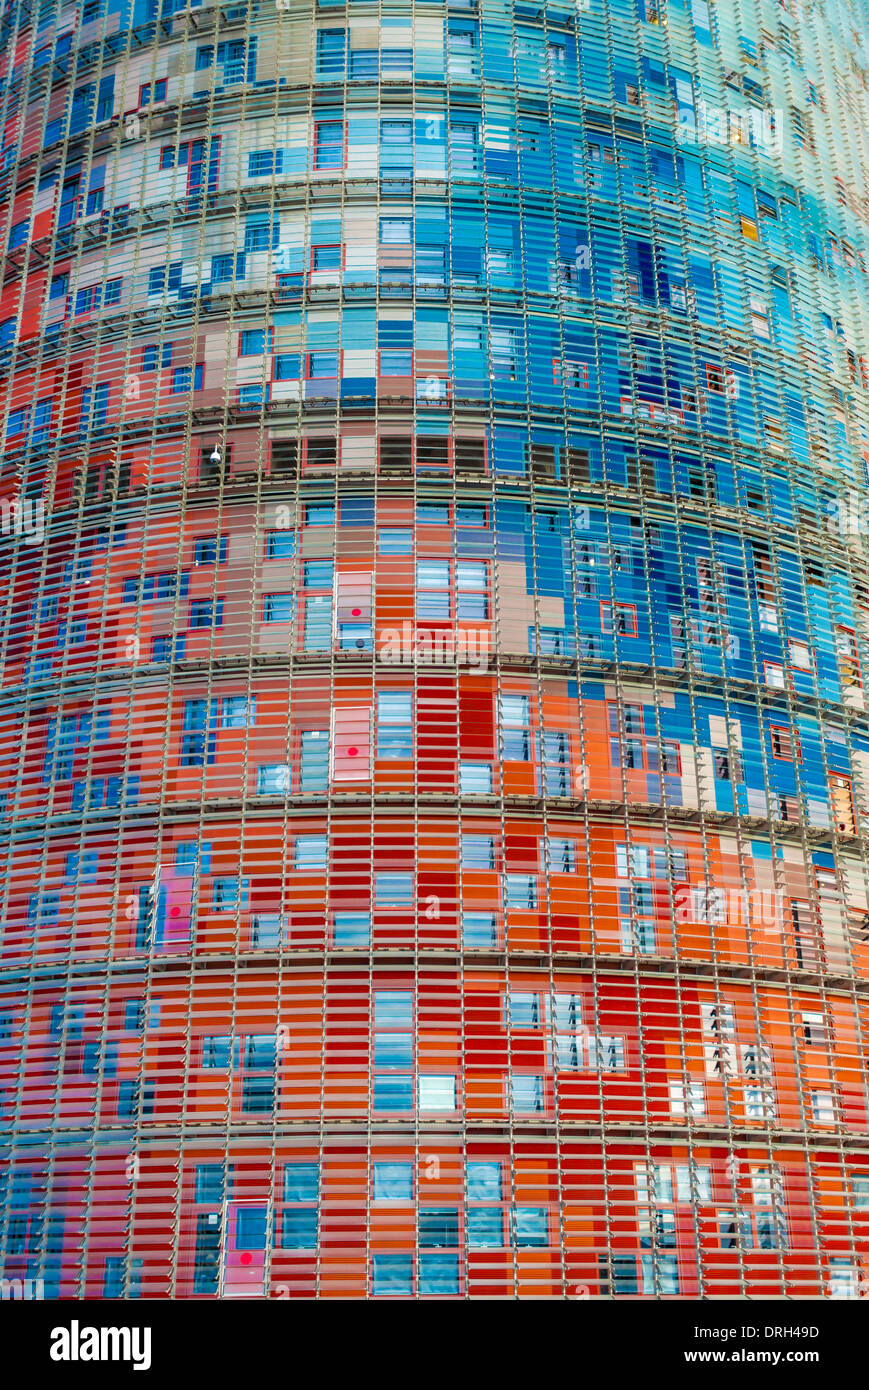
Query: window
[
  {"x": 567, "y": 1026},
  {"x": 252, "y": 342},
  {"x": 433, "y": 590},
  {"x": 184, "y": 379},
  {"x": 328, "y": 144},
  {"x": 620, "y": 618},
  {"x": 461, "y": 49},
  {"x": 199, "y": 739},
  {"x": 219, "y": 1052},
  {"x": 464, "y": 147},
  {"x": 759, "y": 316},
  {"x": 395, "y": 363},
  {"x": 499, "y": 262},
  {"x": 134, "y": 1015},
  {"x": 472, "y": 590},
  {"x": 258, "y": 1085},
  {"x": 93, "y": 407},
  {"x": 16, "y": 422},
  {"x": 849, "y": 661},
  {"x": 251, "y": 397},
  {"x": 210, "y": 550},
  {"x": 814, "y": 1030},
  {"x": 351, "y": 929},
  {"x": 478, "y": 852},
  {"x": 18, "y": 234},
  {"x": 238, "y": 59},
  {"x": 229, "y": 894},
  {"x": 113, "y": 1277},
  {"x": 278, "y": 608},
  {"x": 155, "y": 357},
  {"x": 301, "y": 1182},
  {"x": 310, "y": 853},
  {"x": 524, "y": 1010},
  {"x": 87, "y": 299},
  {"x": 844, "y": 1279},
  {"x": 318, "y": 574},
  {"x": 272, "y": 779},
  {"x": 206, "y": 613},
  {"x": 774, "y": 675},
  {"x": 687, "y": 1098},
  {"x": 168, "y": 648},
  {"x": 82, "y": 867},
  {"x": 515, "y": 728},
  {"x": 223, "y": 267},
  {"x": 503, "y": 354},
  {"x": 531, "y": 1227},
  {"x": 314, "y": 761},
  {"x": 250, "y": 1228},
  {"x": 301, "y": 1192},
  {"x": 264, "y": 163},
  {"x": 331, "y": 54},
  {"x": 318, "y": 616},
  {"x": 396, "y": 231},
  {"x": 190, "y": 857},
  {"x": 432, "y": 514},
  {"x": 727, "y": 765},
  {"x": 438, "y": 1231},
  {"x": 393, "y": 1051},
  {"x": 280, "y": 545},
  {"x": 860, "y": 1191},
  {"x": 527, "y": 1095},
  {"x": 260, "y": 233},
  {"x": 479, "y": 930},
  {"x": 325, "y": 258},
  {"x": 391, "y": 1275},
  {"x": 801, "y": 656},
  {"x": 42, "y": 422},
  {"x": 573, "y": 375},
  {"x": 392, "y": 1182},
  {"x": 520, "y": 892},
  {"x": 396, "y": 147},
  {"x": 393, "y": 890},
  {"x": 321, "y": 365},
  {"x": 164, "y": 279},
  {"x": 364, "y": 63},
  {"x": 152, "y": 92},
  {"x": 437, "y": 1093},
  {"x": 394, "y": 726},
  {"x": 559, "y": 856},
  {"x": 553, "y": 748},
  {"x": 485, "y": 1210},
  {"x": 475, "y": 779},
  {"x": 393, "y": 540}
]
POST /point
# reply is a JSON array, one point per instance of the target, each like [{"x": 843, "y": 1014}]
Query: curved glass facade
[{"x": 434, "y": 752}]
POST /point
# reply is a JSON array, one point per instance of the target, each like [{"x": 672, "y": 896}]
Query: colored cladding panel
[{"x": 434, "y": 757}]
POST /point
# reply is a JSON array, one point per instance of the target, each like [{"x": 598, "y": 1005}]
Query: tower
[{"x": 434, "y": 742}]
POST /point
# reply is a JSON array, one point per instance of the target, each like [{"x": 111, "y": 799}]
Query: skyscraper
[{"x": 435, "y": 758}]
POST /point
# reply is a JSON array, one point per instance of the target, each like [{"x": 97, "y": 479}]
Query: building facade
[{"x": 433, "y": 737}]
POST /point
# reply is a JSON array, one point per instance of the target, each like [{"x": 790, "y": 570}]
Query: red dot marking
[
  {"x": 356, "y": 612},
  {"x": 351, "y": 752},
  {"x": 246, "y": 1258}
]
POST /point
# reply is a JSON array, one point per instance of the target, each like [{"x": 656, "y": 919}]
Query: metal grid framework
[{"x": 434, "y": 740}]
